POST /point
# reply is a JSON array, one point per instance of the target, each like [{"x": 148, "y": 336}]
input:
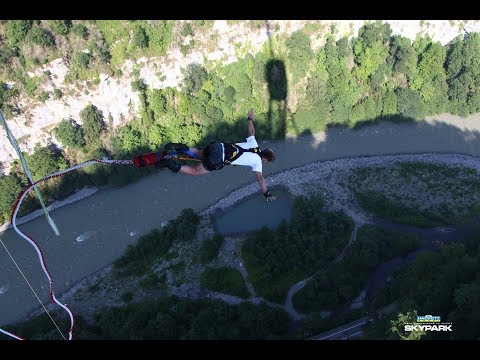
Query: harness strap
[
  {"x": 237, "y": 152},
  {"x": 189, "y": 153}
]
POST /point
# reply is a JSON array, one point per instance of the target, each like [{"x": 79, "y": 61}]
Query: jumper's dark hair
[{"x": 268, "y": 154}]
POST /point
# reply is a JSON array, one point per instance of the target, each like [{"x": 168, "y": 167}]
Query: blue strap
[{"x": 189, "y": 153}]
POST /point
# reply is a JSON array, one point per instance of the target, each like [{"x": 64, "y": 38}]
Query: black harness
[{"x": 233, "y": 152}]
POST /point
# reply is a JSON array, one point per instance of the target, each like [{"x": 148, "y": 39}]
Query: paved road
[{"x": 348, "y": 331}]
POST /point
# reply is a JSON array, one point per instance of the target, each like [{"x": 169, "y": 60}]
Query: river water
[{"x": 96, "y": 230}]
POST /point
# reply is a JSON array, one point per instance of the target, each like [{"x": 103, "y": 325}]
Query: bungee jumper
[{"x": 214, "y": 157}]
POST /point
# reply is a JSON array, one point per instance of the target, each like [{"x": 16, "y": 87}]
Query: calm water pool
[{"x": 254, "y": 213}]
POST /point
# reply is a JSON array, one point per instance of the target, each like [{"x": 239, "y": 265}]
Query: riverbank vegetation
[
  {"x": 224, "y": 280},
  {"x": 170, "y": 318},
  {"x": 418, "y": 193}
]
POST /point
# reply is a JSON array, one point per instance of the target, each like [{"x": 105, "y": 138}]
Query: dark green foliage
[
  {"x": 445, "y": 283},
  {"x": 41, "y": 36},
  {"x": 159, "y": 35},
  {"x": 379, "y": 204},
  {"x": 343, "y": 281},
  {"x": 343, "y": 47},
  {"x": 127, "y": 296},
  {"x": 31, "y": 85},
  {"x": 93, "y": 123},
  {"x": 430, "y": 180},
  {"x": 102, "y": 54},
  {"x": 342, "y": 90},
  {"x": 277, "y": 259},
  {"x": 174, "y": 318},
  {"x": 57, "y": 93},
  {"x": 389, "y": 103},
  {"x": 139, "y": 85},
  {"x": 81, "y": 60},
  {"x": 16, "y": 30},
  {"x": 195, "y": 75},
  {"x": 7, "y": 53},
  {"x": 374, "y": 32},
  {"x": 98, "y": 175},
  {"x": 154, "y": 281},
  {"x": 225, "y": 280},
  {"x": 403, "y": 56},
  {"x": 463, "y": 75},
  {"x": 140, "y": 38},
  {"x": 43, "y": 162},
  {"x": 210, "y": 248},
  {"x": 138, "y": 258},
  {"x": 40, "y": 327},
  {"x": 70, "y": 133},
  {"x": 10, "y": 188},
  {"x": 300, "y": 54},
  {"x": 6, "y": 94},
  {"x": 311, "y": 119},
  {"x": 186, "y": 29},
  {"x": 60, "y": 27},
  {"x": 127, "y": 141},
  {"x": 430, "y": 81},
  {"x": 157, "y": 102},
  {"x": 43, "y": 96},
  {"x": 410, "y": 104},
  {"x": 276, "y": 76},
  {"x": 79, "y": 30}
]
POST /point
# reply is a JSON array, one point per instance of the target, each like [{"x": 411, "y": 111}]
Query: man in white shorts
[{"x": 218, "y": 154}]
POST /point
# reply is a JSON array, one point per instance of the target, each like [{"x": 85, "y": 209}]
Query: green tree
[
  {"x": 389, "y": 103},
  {"x": 80, "y": 30},
  {"x": 300, "y": 54},
  {"x": 128, "y": 139},
  {"x": 430, "y": 81},
  {"x": 140, "y": 38},
  {"x": 16, "y": 30},
  {"x": 41, "y": 36},
  {"x": 410, "y": 104},
  {"x": 398, "y": 326},
  {"x": 93, "y": 123},
  {"x": 7, "y": 53},
  {"x": 374, "y": 32},
  {"x": 404, "y": 56},
  {"x": 10, "y": 188},
  {"x": 60, "y": 27},
  {"x": 195, "y": 74},
  {"x": 157, "y": 135},
  {"x": 157, "y": 101},
  {"x": 465, "y": 315},
  {"x": 210, "y": 248},
  {"x": 69, "y": 133},
  {"x": 186, "y": 29},
  {"x": 57, "y": 93},
  {"x": 44, "y": 161},
  {"x": 81, "y": 60}
]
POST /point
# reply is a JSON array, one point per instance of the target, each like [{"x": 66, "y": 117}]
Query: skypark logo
[
  {"x": 416, "y": 327},
  {"x": 428, "y": 323},
  {"x": 428, "y": 319}
]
